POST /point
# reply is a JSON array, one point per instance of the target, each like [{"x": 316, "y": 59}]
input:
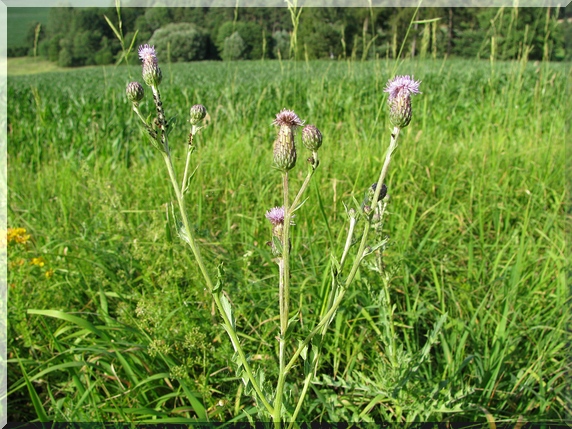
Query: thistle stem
[
  {"x": 348, "y": 244},
  {"x": 304, "y": 186},
  {"x": 284, "y": 297},
  {"x": 357, "y": 262},
  {"x": 190, "y": 150},
  {"x": 301, "y": 399},
  {"x": 136, "y": 110},
  {"x": 196, "y": 253}
]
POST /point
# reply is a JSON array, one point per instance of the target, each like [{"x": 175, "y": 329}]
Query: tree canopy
[{"x": 82, "y": 36}]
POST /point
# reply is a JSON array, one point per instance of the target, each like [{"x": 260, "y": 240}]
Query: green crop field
[{"x": 110, "y": 318}]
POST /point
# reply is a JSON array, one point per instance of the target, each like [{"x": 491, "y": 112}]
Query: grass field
[
  {"x": 29, "y": 65},
  {"x": 108, "y": 315}
]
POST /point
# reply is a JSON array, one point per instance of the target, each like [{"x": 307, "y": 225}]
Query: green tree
[
  {"x": 320, "y": 33},
  {"x": 184, "y": 41},
  {"x": 234, "y": 48},
  {"x": 281, "y": 44},
  {"x": 158, "y": 17},
  {"x": 251, "y": 34}
]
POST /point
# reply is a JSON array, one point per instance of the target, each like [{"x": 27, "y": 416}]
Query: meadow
[{"x": 109, "y": 319}]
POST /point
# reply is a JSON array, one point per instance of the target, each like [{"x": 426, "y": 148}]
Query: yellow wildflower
[
  {"x": 49, "y": 274},
  {"x": 38, "y": 261},
  {"x": 17, "y": 235}
]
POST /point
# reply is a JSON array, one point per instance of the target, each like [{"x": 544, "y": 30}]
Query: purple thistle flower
[
  {"x": 151, "y": 72},
  {"x": 402, "y": 85},
  {"x": 276, "y": 216},
  {"x": 288, "y": 118},
  {"x": 147, "y": 54}
]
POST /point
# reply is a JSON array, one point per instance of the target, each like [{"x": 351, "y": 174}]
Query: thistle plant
[{"x": 271, "y": 402}]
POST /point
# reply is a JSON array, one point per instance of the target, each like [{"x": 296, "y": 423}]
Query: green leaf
[
  {"x": 291, "y": 324},
  {"x": 36, "y": 401},
  {"x": 114, "y": 29},
  {"x": 227, "y": 309},
  {"x": 132, "y": 41},
  {"x": 73, "y": 319},
  {"x": 198, "y": 407},
  {"x": 277, "y": 244},
  {"x": 157, "y": 144},
  {"x": 335, "y": 266},
  {"x": 304, "y": 352},
  {"x": 169, "y": 124},
  {"x": 218, "y": 286}
]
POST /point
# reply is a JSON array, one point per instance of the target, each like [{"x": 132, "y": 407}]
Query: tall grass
[{"x": 123, "y": 330}]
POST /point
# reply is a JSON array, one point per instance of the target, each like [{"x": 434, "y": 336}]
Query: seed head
[
  {"x": 400, "y": 90},
  {"x": 311, "y": 137},
  {"x": 198, "y": 113},
  {"x": 135, "y": 92}
]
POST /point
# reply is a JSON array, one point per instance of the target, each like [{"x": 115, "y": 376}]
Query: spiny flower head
[
  {"x": 402, "y": 86},
  {"x": 135, "y": 92},
  {"x": 287, "y": 118},
  {"x": 152, "y": 74},
  {"x": 147, "y": 53},
  {"x": 284, "y": 145},
  {"x": 198, "y": 113},
  {"x": 275, "y": 216},
  {"x": 311, "y": 137},
  {"x": 400, "y": 89}
]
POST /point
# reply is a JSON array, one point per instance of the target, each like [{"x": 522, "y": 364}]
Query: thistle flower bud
[
  {"x": 285, "y": 150},
  {"x": 311, "y": 137},
  {"x": 400, "y": 111},
  {"x": 284, "y": 145},
  {"x": 135, "y": 92},
  {"x": 198, "y": 113},
  {"x": 400, "y": 90},
  {"x": 152, "y": 74}
]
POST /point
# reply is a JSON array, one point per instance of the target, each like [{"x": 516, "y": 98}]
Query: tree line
[{"x": 82, "y": 36}]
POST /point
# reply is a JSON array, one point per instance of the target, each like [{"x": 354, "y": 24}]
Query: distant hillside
[{"x": 19, "y": 21}]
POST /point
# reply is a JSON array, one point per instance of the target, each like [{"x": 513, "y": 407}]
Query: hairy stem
[
  {"x": 284, "y": 301},
  {"x": 190, "y": 149},
  {"x": 357, "y": 262},
  {"x": 197, "y": 254},
  {"x": 304, "y": 186}
]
